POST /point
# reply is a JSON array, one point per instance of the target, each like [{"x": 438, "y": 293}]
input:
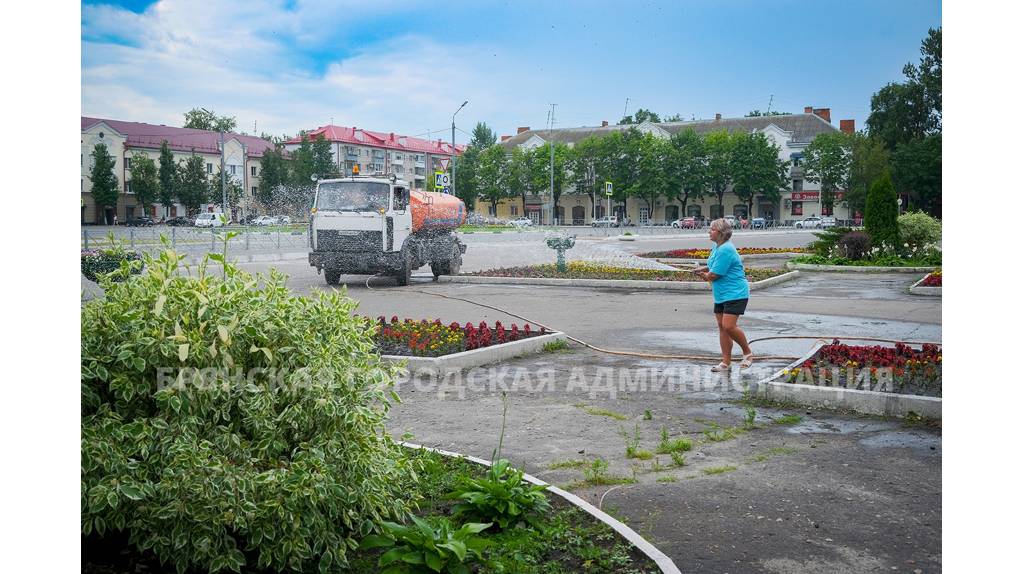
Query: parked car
[
  {"x": 758, "y": 223},
  {"x": 828, "y": 222},
  {"x": 812, "y": 222},
  {"x": 263, "y": 220},
  {"x": 209, "y": 220},
  {"x": 685, "y": 223},
  {"x": 180, "y": 221},
  {"x": 732, "y": 221},
  {"x": 606, "y": 221},
  {"x": 283, "y": 220},
  {"x": 521, "y": 222},
  {"x": 142, "y": 221}
]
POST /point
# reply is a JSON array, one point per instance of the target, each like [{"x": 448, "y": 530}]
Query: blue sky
[{"x": 405, "y": 67}]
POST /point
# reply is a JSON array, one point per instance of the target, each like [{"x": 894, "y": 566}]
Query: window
[
  {"x": 231, "y": 169},
  {"x": 716, "y": 211},
  {"x": 693, "y": 211},
  {"x": 740, "y": 211},
  {"x": 797, "y": 158},
  {"x": 513, "y": 210},
  {"x": 798, "y": 185},
  {"x": 127, "y": 163},
  {"x": 254, "y": 191},
  {"x": 798, "y": 208},
  {"x": 127, "y": 187},
  {"x": 827, "y": 210},
  {"x": 254, "y": 171},
  {"x": 209, "y": 168}
]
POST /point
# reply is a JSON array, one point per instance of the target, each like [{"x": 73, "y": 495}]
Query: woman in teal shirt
[{"x": 731, "y": 292}]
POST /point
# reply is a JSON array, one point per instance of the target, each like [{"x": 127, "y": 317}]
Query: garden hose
[{"x": 658, "y": 356}]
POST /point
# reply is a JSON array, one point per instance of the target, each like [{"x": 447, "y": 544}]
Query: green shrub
[
  {"x": 919, "y": 230},
  {"x": 424, "y": 548},
  {"x": 880, "y": 215},
  {"x": 827, "y": 240},
  {"x": 501, "y": 497},
  {"x": 99, "y": 262},
  {"x": 274, "y": 458},
  {"x": 855, "y": 246}
]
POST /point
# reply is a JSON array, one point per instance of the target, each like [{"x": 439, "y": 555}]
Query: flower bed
[
  {"x": 930, "y": 258},
  {"x": 410, "y": 338},
  {"x": 911, "y": 372},
  {"x": 703, "y": 253},
  {"x": 585, "y": 270},
  {"x": 96, "y": 262},
  {"x": 933, "y": 279}
]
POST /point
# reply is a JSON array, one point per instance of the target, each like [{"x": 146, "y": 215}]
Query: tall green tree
[
  {"x": 917, "y": 172},
  {"x": 687, "y": 167},
  {"x": 104, "y": 182},
  {"x": 869, "y": 159},
  {"x": 519, "y": 178},
  {"x": 640, "y": 117},
  {"x": 719, "y": 146},
  {"x": 232, "y": 188},
  {"x": 901, "y": 112},
  {"x": 302, "y": 163},
  {"x": 204, "y": 119},
  {"x": 827, "y": 161},
  {"x": 623, "y": 162},
  {"x": 322, "y": 162},
  {"x": 928, "y": 73},
  {"x": 145, "y": 181},
  {"x": 168, "y": 177},
  {"x": 881, "y": 213},
  {"x": 483, "y": 136},
  {"x": 583, "y": 163},
  {"x": 193, "y": 187},
  {"x": 652, "y": 154},
  {"x": 492, "y": 174},
  {"x": 757, "y": 170},
  {"x": 542, "y": 166},
  {"x": 467, "y": 187},
  {"x": 273, "y": 177}
]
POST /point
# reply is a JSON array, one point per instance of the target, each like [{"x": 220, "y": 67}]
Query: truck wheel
[
  {"x": 404, "y": 275},
  {"x": 333, "y": 276}
]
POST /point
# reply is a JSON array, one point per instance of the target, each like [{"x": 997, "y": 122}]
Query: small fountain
[{"x": 561, "y": 242}]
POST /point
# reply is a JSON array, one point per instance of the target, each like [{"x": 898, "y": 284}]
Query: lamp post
[{"x": 453, "y": 143}]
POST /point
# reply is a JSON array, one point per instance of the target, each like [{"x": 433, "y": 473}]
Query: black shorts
[{"x": 734, "y": 307}]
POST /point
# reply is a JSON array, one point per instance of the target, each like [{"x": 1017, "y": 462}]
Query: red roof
[
  {"x": 378, "y": 139},
  {"x": 179, "y": 139}
]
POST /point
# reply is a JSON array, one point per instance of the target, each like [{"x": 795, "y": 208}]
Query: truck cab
[{"x": 376, "y": 225}]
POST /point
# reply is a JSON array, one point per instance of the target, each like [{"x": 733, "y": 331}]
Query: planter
[
  {"x": 926, "y": 291},
  {"x": 663, "y": 562},
  {"x": 856, "y": 268},
  {"x": 776, "y": 388},
  {"x": 476, "y": 357}
]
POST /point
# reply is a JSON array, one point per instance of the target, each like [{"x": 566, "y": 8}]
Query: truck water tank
[{"x": 436, "y": 211}]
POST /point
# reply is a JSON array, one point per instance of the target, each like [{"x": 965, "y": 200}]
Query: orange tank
[{"x": 435, "y": 211}]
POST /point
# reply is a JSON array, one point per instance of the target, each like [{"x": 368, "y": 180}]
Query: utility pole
[
  {"x": 624, "y": 108},
  {"x": 453, "y": 144},
  {"x": 770, "y": 100},
  {"x": 223, "y": 179},
  {"x": 551, "y": 142}
]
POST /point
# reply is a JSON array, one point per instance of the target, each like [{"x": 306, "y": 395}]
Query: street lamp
[{"x": 453, "y": 143}]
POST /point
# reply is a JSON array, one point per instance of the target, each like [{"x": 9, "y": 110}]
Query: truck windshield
[{"x": 352, "y": 196}]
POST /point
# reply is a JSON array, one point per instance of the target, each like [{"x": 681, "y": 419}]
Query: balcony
[{"x": 398, "y": 161}]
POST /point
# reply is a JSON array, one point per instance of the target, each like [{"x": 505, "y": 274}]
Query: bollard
[
  {"x": 131, "y": 238},
  {"x": 213, "y": 240},
  {"x": 85, "y": 238},
  {"x": 174, "y": 237},
  {"x": 279, "y": 240}
]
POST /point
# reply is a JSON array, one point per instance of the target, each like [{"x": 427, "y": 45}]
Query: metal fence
[{"x": 157, "y": 238}]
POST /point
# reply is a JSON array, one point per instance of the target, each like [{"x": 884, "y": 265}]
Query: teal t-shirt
[{"x": 731, "y": 284}]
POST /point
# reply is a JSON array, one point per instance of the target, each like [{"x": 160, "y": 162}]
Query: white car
[
  {"x": 263, "y": 220},
  {"x": 521, "y": 222},
  {"x": 812, "y": 222},
  {"x": 828, "y": 222},
  {"x": 606, "y": 221},
  {"x": 210, "y": 220}
]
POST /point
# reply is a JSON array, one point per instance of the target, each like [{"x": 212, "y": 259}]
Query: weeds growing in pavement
[
  {"x": 602, "y": 412},
  {"x": 789, "y": 420},
  {"x": 668, "y": 446},
  {"x": 718, "y": 470}
]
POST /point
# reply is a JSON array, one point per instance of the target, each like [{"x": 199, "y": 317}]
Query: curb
[
  {"x": 916, "y": 289},
  {"x": 745, "y": 257},
  {"x": 857, "y": 269},
  {"x": 867, "y": 402},
  {"x": 609, "y": 283},
  {"x": 664, "y": 562},
  {"x": 476, "y": 357}
]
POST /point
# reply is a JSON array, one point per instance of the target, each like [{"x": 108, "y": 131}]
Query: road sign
[
  {"x": 608, "y": 188},
  {"x": 444, "y": 163},
  {"x": 447, "y": 190},
  {"x": 442, "y": 179}
]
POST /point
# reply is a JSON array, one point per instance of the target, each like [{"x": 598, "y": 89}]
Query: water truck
[{"x": 376, "y": 224}]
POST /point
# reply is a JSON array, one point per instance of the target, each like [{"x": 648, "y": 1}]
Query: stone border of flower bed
[
  {"x": 611, "y": 283},
  {"x": 477, "y": 357},
  {"x": 657, "y": 556},
  {"x": 744, "y": 257},
  {"x": 857, "y": 268},
  {"x": 917, "y": 289},
  {"x": 867, "y": 402}
]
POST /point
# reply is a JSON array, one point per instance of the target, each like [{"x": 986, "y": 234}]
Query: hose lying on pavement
[{"x": 654, "y": 355}]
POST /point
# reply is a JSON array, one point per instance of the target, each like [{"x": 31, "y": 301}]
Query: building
[
  {"x": 412, "y": 159},
  {"x": 242, "y": 155},
  {"x": 791, "y": 133}
]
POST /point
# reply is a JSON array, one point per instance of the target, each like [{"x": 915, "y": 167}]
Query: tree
[
  {"x": 675, "y": 118},
  {"x": 583, "y": 163},
  {"x": 193, "y": 187},
  {"x": 759, "y": 113},
  {"x": 322, "y": 163},
  {"x": 757, "y": 170},
  {"x": 168, "y": 177},
  {"x": 483, "y": 137},
  {"x": 104, "y": 182},
  {"x": 232, "y": 188},
  {"x": 687, "y": 167},
  {"x": 827, "y": 161},
  {"x": 302, "y": 163},
  {"x": 928, "y": 74},
  {"x": 640, "y": 117},
  {"x": 868, "y": 161},
  {"x": 622, "y": 161},
  {"x": 542, "y": 166},
  {"x": 917, "y": 172},
  {"x": 719, "y": 146},
  {"x": 901, "y": 112},
  {"x": 881, "y": 213},
  {"x": 519, "y": 178},
  {"x": 651, "y": 154},
  {"x": 145, "y": 182},
  {"x": 204, "y": 119},
  {"x": 273, "y": 177},
  {"x": 491, "y": 175}
]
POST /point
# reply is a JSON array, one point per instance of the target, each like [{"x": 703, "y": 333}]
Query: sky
[{"x": 405, "y": 67}]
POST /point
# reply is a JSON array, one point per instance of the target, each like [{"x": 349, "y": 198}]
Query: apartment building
[
  {"x": 412, "y": 159},
  {"x": 791, "y": 133},
  {"x": 124, "y": 139}
]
